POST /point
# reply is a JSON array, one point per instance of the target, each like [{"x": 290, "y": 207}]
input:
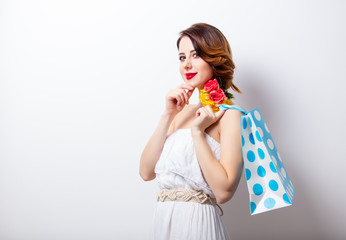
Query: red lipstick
[{"x": 190, "y": 75}]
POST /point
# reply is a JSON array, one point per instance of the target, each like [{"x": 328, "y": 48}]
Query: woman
[{"x": 194, "y": 153}]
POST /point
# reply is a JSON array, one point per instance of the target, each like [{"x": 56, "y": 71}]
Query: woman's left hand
[{"x": 205, "y": 117}]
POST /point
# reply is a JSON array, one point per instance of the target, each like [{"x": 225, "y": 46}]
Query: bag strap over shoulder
[{"x": 225, "y": 106}]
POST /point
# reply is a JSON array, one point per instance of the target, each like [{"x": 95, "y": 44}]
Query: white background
[{"x": 82, "y": 87}]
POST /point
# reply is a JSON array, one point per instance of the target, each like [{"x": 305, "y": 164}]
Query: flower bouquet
[{"x": 213, "y": 94}]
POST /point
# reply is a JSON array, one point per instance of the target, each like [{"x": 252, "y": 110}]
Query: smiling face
[{"x": 191, "y": 62}]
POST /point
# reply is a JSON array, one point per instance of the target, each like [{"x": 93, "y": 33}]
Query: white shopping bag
[{"x": 267, "y": 180}]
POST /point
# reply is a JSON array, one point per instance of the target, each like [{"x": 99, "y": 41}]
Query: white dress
[{"x": 178, "y": 167}]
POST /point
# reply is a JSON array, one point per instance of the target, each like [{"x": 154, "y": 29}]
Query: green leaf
[{"x": 228, "y": 94}]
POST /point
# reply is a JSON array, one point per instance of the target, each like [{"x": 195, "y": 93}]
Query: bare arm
[
  {"x": 222, "y": 176},
  {"x": 176, "y": 99},
  {"x": 153, "y": 149}
]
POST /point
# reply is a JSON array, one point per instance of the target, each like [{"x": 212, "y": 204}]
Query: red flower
[
  {"x": 211, "y": 85},
  {"x": 217, "y": 96}
]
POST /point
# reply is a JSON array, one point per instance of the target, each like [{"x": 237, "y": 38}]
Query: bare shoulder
[
  {"x": 230, "y": 119},
  {"x": 231, "y": 114}
]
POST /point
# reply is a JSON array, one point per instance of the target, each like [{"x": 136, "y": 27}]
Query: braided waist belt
[{"x": 186, "y": 195}]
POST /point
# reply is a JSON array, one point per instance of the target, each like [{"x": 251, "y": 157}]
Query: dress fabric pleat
[{"x": 178, "y": 167}]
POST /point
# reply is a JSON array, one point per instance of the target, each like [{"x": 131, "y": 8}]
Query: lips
[{"x": 190, "y": 75}]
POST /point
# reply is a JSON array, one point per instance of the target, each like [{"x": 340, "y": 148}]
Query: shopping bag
[{"x": 267, "y": 180}]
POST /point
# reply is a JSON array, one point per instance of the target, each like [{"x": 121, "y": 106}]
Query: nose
[{"x": 187, "y": 63}]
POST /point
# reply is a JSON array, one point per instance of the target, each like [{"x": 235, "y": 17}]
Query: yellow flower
[
  {"x": 227, "y": 101},
  {"x": 204, "y": 97}
]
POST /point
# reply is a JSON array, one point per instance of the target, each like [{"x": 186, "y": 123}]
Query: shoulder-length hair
[{"x": 212, "y": 46}]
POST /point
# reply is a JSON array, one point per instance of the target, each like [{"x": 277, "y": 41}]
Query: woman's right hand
[{"x": 177, "y": 98}]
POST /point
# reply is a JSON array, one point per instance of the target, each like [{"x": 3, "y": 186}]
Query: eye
[
  {"x": 180, "y": 58},
  {"x": 196, "y": 54}
]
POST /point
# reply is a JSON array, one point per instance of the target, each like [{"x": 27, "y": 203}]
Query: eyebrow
[{"x": 190, "y": 51}]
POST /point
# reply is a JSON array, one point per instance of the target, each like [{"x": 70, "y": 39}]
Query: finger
[
  {"x": 201, "y": 111},
  {"x": 189, "y": 87},
  {"x": 186, "y": 97},
  {"x": 189, "y": 93},
  {"x": 209, "y": 108},
  {"x": 186, "y": 86},
  {"x": 219, "y": 114},
  {"x": 209, "y": 111},
  {"x": 180, "y": 100},
  {"x": 177, "y": 98},
  {"x": 204, "y": 111}
]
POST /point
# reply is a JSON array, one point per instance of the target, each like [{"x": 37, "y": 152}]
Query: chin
[{"x": 190, "y": 83}]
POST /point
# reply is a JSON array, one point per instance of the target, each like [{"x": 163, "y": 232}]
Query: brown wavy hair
[{"x": 212, "y": 46}]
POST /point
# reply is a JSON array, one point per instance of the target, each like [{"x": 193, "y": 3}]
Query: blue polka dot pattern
[
  {"x": 244, "y": 123},
  {"x": 260, "y": 153},
  {"x": 257, "y": 189},
  {"x": 248, "y": 174},
  {"x": 267, "y": 179},
  {"x": 278, "y": 186},
  {"x": 285, "y": 198},
  {"x": 251, "y": 156},
  {"x": 251, "y": 138},
  {"x": 269, "y": 203},
  {"x": 261, "y": 171},
  {"x": 273, "y": 185},
  {"x": 252, "y": 207},
  {"x": 250, "y": 122},
  {"x": 258, "y": 136},
  {"x": 272, "y": 167}
]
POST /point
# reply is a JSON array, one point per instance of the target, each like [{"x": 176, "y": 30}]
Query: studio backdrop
[{"x": 83, "y": 85}]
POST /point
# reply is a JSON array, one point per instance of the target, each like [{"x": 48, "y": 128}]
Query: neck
[{"x": 199, "y": 104}]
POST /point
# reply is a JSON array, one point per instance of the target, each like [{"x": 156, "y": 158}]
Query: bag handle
[{"x": 225, "y": 106}]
